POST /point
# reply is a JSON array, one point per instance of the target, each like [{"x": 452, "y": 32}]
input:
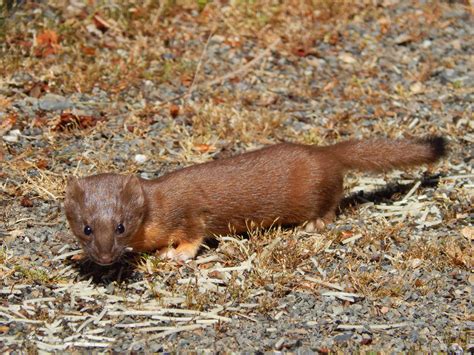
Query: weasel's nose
[{"x": 105, "y": 259}]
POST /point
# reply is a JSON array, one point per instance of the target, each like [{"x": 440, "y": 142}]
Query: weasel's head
[{"x": 104, "y": 212}]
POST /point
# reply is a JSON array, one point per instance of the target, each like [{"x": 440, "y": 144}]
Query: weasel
[{"x": 287, "y": 183}]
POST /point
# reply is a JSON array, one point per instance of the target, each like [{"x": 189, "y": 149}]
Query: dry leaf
[
  {"x": 42, "y": 164},
  {"x": 26, "y": 202},
  {"x": 186, "y": 79},
  {"x": 69, "y": 120},
  {"x": 174, "y": 110},
  {"x": 47, "y": 37},
  {"x": 88, "y": 50},
  {"x": 47, "y": 43}
]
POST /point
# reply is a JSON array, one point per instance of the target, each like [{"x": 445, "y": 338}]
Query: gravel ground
[{"x": 88, "y": 89}]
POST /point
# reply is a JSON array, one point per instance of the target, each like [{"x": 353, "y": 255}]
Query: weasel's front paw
[{"x": 177, "y": 255}]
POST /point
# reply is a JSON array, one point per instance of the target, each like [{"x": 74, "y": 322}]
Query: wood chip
[
  {"x": 352, "y": 239},
  {"x": 324, "y": 283}
]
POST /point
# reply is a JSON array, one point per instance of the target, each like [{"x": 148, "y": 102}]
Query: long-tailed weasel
[{"x": 288, "y": 183}]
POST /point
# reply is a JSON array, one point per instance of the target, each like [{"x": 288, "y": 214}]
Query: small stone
[
  {"x": 52, "y": 102},
  {"x": 426, "y": 43},
  {"x": 403, "y": 39},
  {"x": 456, "y": 349},
  {"x": 347, "y": 58},
  {"x": 12, "y": 136},
  {"x": 279, "y": 344},
  {"x": 342, "y": 338},
  {"x": 417, "y": 88},
  {"x": 156, "y": 347},
  {"x": 140, "y": 158},
  {"x": 336, "y": 310}
]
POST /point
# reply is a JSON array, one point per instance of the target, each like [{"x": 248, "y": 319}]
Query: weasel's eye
[
  {"x": 87, "y": 230},
  {"x": 120, "y": 229}
]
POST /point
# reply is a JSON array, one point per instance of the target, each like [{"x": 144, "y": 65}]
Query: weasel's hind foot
[
  {"x": 316, "y": 225},
  {"x": 319, "y": 224}
]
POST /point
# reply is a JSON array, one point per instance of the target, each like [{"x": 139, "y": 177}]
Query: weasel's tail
[{"x": 383, "y": 154}]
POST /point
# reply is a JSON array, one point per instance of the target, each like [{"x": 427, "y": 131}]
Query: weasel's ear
[
  {"x": 132, "y": 193},
  {"x": 74, "y": 190},
  {"x": 74, "y": 198}
]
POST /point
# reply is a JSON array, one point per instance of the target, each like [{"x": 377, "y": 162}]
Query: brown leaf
[
  {"x": 42, "y": 164},
  {"x": 47, "y": 43},
  {"x": 7, "y": 123},
  {"x": 47, "y": 37},
  {"x": 90, "y": 51},
  {"x": 69, "y": 120},
  {"x": 174, "y": 110},
  {"x": 186, "y": 79},
  {"x": 26, "y": 202}
]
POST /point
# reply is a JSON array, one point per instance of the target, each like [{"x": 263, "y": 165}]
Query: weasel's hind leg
[{"x": 326, "y": 200}]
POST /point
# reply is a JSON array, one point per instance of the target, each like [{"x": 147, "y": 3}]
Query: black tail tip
[{"x": 438, "y": 145}]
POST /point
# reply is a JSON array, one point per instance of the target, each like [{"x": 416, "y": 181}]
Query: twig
[
  {"x": 198, "y": 67},
  {"x": 324, "y": 283},
  {"x": 232, "y": 74},
  {"x": 245, "y": 67},
  {"x": 372, "y": 326}
]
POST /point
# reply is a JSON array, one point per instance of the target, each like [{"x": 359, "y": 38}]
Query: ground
[{"x": 149, "y": 87}]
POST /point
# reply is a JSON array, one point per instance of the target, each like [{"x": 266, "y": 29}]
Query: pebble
[
  {"x": 347, "y": 58},
  {"x": 12, "y": 136},
  {"x": 342, "y": 338},
  {"x": 279, "y": 344},
  {"x": 140, "y": 158},
  {"x": 52, "y": 102}
]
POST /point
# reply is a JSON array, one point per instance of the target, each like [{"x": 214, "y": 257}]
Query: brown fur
[{"x": 285, "y": 183}]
